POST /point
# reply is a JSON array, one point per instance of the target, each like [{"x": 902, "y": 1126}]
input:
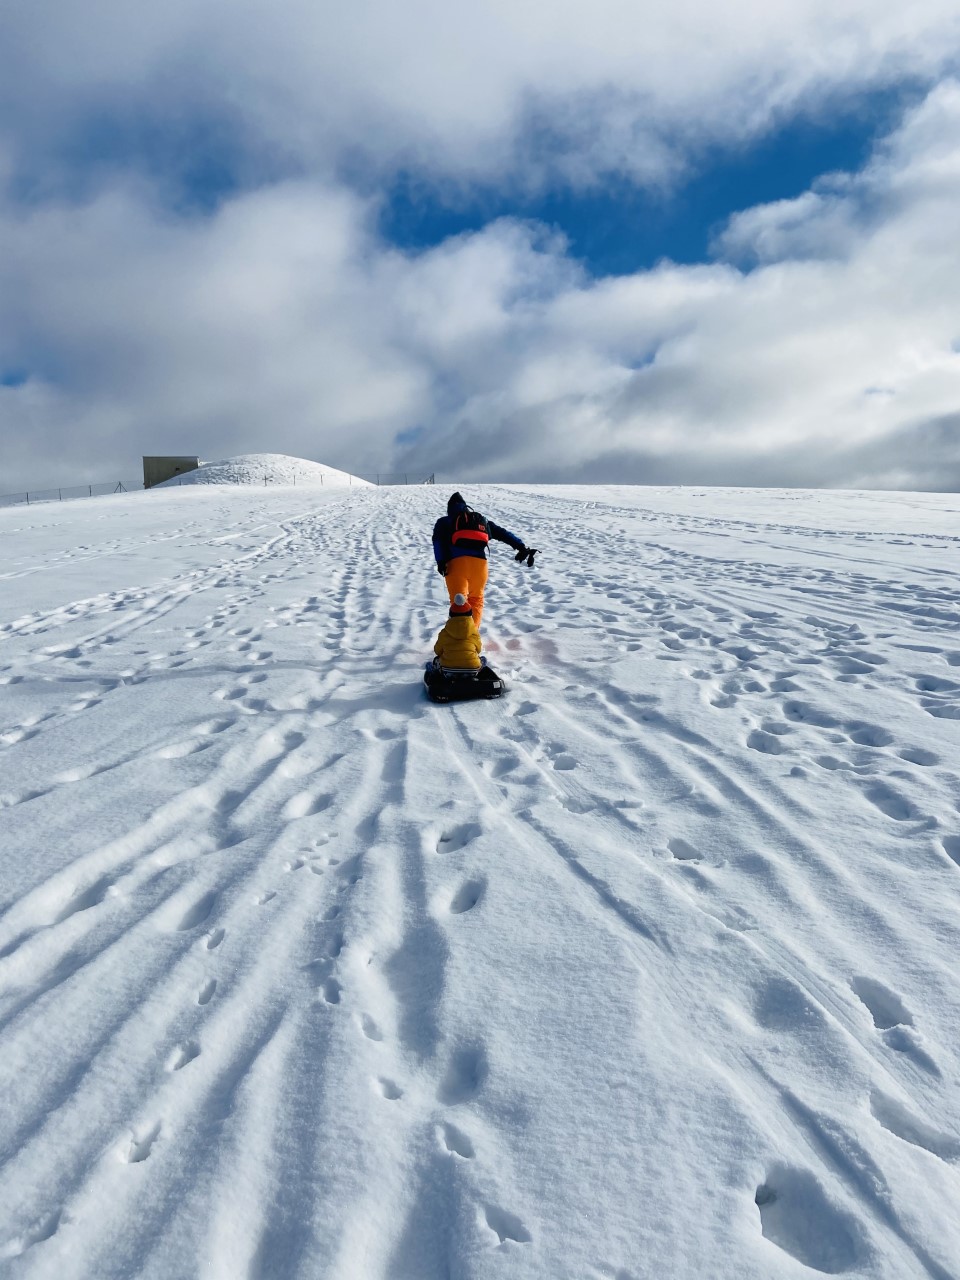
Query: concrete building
[{"x": 156, "y": 470}]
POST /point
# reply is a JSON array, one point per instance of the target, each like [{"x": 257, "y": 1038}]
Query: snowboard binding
[{"x": 445, "y": 684}]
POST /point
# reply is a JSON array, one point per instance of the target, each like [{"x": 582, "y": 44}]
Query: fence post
[
  {"x": 28, "y": 499},
  {"x": 60, "y": 494},
  {"x": 90, "y": 487}
]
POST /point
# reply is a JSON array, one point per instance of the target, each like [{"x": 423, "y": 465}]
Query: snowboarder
[
  {"x": 458, "y": 644},
  {"x": 460, "y": 541}
]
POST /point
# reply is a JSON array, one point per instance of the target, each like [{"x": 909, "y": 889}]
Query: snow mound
[{"x": 265, "y": 468}]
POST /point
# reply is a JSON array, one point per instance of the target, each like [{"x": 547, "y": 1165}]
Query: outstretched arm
[{"x": 504, "y": 535}]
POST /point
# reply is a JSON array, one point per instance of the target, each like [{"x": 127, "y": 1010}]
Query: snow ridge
[{"x": 265, "y": 468}]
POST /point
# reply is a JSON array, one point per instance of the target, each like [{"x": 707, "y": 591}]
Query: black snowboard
[{"x": 462, "y": 686}]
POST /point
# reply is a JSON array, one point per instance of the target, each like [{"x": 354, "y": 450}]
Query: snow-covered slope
[
  {"x": 264, "y": 468},
  {"x": 647, "y": 970}
]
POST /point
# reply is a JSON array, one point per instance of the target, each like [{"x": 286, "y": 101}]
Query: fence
[{"x": 66, "y": 493}]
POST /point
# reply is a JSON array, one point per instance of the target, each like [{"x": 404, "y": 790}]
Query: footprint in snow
[
  {"x": 467, "y": 896},
  {"x": 499, "y": 768},
  {"x": 906, "y": 1040},
  {"x": 797, "y": 1217},
  {"x": 804, "y": 713},
  {"x": 575, "y": 804},
  {"x": 885, "y": 1007},
  {"x": 919, "y": 755},
  {"x": 899, "y": 1120},
  {"x": 369, "y": 1028},
  {"x": 456, "y": 1141},
  {"x": 682, "y": 851},
  {"x": 84, "y": 899},
  {"x": 197, "y": 913},
  {"x": 44, "y": 1228},
  {"x": 229, "y": 695},
  {"x": 767, "y": 743},
  {"x": 207, "y": 727},
  {"x": 391, "y": 1091},
  {"x": 351, "y": 871},
  {"x": 892, "y": 803},
  {"x": 892, "y": 1017},
  {"x": 306, "y": 804},
  {"x": 140, "y": 1144},
  {"x": 183, "y": 1054},
  {"x": 465, "y": 1075},
  {"x": 459, "y": 836},
  {"x": 936, "y": 684},
  {"x": 507, "y": 1225}
]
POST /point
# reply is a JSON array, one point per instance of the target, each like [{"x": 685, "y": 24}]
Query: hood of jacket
[{"x": 460, "y": 625}]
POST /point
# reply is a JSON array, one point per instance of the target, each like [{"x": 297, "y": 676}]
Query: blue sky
[
  {"x": 617, "y": 227},
  {"x": 484, "y": 247},
  {"x": 613, "y": 226}
]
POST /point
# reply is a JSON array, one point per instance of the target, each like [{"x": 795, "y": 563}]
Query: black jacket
[{"x": 444, "y": 550}]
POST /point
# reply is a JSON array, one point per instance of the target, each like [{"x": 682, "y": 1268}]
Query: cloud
[
  {"x": 820, "y": 346},
  {"x": 832, "y": 361},
  {"x": 461, "y": 91}
]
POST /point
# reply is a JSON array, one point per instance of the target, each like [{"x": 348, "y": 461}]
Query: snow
[
  {"x": 264, "y": 468},
  {"x": 646, "y": 970}
]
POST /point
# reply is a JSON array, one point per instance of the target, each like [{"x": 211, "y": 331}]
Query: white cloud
[
  {"x": 456, "y": 87},
  {"x": 283, "y": 322}
]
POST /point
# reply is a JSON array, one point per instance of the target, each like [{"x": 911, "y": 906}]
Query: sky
[{"x": 493, "y": 241}]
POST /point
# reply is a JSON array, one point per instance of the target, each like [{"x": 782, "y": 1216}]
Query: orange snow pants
[{"x": 468, "y": 574}]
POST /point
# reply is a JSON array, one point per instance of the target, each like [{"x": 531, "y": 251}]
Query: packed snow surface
[
  {"x": 264, "y": 468},
  {"x": 648, "y": 969}
]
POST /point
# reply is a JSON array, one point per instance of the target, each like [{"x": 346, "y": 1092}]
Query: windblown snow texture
[{"x": 648, "y": 969}]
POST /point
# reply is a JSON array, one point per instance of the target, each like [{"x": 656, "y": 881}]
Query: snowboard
[{"x": 461, "y": 686}]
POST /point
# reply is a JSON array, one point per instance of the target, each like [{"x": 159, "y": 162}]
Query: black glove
[
  {"x": 442, "y": 567},
  {"x": 526, "y": 553}
]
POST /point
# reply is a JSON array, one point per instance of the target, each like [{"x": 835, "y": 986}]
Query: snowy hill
[
  {"x": 265, "y": 468},
  {"x": 647, "y": 970}
]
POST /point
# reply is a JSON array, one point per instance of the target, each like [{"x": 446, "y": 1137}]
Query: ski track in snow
[{"x": 646, "y": 969}]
